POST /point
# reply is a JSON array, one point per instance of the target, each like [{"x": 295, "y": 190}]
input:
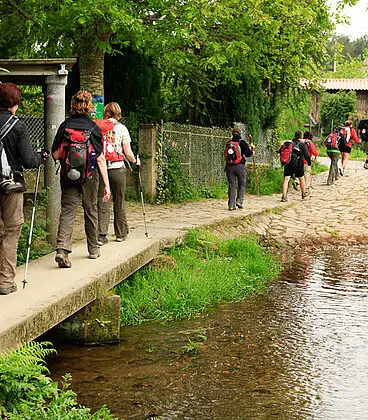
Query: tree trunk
[{"x": 91, "y": 62}]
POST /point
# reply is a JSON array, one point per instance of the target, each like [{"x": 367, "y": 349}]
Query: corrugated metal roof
[{"x": 340, "y": 84}]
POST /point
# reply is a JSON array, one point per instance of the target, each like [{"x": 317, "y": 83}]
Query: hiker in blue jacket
[{"x": 235, "y": 153}]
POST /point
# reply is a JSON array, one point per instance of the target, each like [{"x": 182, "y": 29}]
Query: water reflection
[{"x": 298, "y": 352}]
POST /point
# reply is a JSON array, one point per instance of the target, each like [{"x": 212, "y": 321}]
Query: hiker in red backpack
[
  {"x": 294, "y": 166},
  {"x": 332, "y": 142},
  {"x": 308, "y": 140},
  {"x": 116, "y": 147},
  {"x": 236, "y": 150},
  {"x": 79, "y": 139},
  {"x": 345, "y": 149}
]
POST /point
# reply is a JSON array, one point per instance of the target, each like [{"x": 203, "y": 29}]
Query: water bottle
[{"x": 93, "y": 159}]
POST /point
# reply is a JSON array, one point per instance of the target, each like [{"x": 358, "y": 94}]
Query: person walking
[
  {"x": 116, "y": 148},
  {"x": 345, "y": 149},
  {"x": 308, "y": 140},
  {"x": 295, "y": 167},
  {"x": 363, "y": 134},
  {"x": 74, "y": 189},
  {"x": 19, "y": 155},
  {"x": 236, "y": 152},
  {"x": 333, "y": 152}
]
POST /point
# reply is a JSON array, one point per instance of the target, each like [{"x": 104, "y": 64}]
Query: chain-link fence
[
  {"x": 35, "y": 126},
  {"x": 200, "y": 149}
]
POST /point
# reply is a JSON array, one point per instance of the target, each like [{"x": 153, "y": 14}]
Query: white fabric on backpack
[{"x": 348, "y": 134}]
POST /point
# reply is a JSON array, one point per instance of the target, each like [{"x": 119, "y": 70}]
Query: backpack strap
[{"x": 5, "y": 129}]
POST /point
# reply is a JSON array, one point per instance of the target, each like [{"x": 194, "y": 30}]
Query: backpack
[
  {"x": 344, "y": 137},
  {"x": 233, "y": 154},
  {"x": 77, "y": 155},
  {"x": 108, "y": 141},
  {"x": 286, "y": 152},
  {"x": 334, "y": 141}
]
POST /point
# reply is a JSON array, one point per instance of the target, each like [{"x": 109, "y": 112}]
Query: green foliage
[
  {"x": 208, "y": 270},
  {"x": 269, "y": 180},
  {"x": 293, "y": 116},
  {"x": 31, "y": 102},
  {"x": 336, "y": 108},
  {"x": 26, "y": 392}
]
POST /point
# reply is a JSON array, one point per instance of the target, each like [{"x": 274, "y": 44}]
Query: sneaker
[
  {"x": 8, "y": 290},
  {"x": 62, "y": 258},
  {"x": 102, "y": 240},
  {"x": 365, "y": 166},
  {"x": 232, "y": 208},
  {"x": 121, "y": 238},
  {"x": 94, "y": 256},
  {"x": 239, "y": 205},
  {"x": 284, "y": 198}
]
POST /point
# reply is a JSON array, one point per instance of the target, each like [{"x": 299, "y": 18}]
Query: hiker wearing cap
[
  {"x": 345, "y": 147},
  {"x": 308, "y": 140},
  {"x": 236, "y": 151},
  {"x": 295, "y": 165}
]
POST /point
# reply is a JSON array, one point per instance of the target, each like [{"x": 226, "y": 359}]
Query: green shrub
[{"x": 336, "y": 108}]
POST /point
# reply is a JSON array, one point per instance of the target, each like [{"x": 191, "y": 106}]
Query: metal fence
[
  {"x": 200, "y": 150},
  {"x": 35, "y": 126}
]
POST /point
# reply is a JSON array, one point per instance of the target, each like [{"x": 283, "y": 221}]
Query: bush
[{"x": 336, "y": 108}]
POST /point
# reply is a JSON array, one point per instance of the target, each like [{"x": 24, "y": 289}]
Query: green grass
[
  {"x": 269, "y": 180},
  {"x": 207, "y": 270}
]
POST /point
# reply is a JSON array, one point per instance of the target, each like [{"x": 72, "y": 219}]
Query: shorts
[
  {"x": 297, "y": 171},
  {"x": 345, "y": 149}
]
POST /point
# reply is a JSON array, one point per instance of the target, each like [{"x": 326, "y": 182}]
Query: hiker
[
  {"x": 116, "y": 147},
  {"x": 78, "y": 147},
  {"x": 363, "y": 134},
  {"x": 19, "y": 154},
  {"x": 308, "y": 140},
  {"x": 295, "y": 165},
  {"x": 332, "y": 142},
  {"x": 345, "y": 147},
  {"x": 236, "y": 150}
]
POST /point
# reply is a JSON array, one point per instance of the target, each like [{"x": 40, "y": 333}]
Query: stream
[{"x": 297, "y": 352}]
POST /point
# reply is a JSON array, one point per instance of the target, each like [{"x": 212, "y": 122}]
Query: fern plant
[{"x": 27, "y": 393}]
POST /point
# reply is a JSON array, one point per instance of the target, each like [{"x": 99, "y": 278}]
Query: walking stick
[
  {"x": 31, "y": 229},
  {"x": 254, "y": 165},
  {"x": 138, "y": 163}
]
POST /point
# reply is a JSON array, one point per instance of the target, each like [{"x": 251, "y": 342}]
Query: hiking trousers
[
  {"x": 11, "y": 220},
  {"x": 236, "y": 173},
  {"x": 333, "y": 174},
  {"x": 71, "y": 195},
  {"x": 117, "y": 180}
]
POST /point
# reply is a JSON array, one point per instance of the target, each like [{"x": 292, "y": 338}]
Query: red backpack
[
  {"x": 76, "y": 155},
  {"x": 335, "y": 140},
  {"x": 108, "y": 140},
  {"x": 233, "y": 154},
  {"x": 286, "y": 150}
]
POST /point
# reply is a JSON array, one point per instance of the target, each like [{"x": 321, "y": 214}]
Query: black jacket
[
  {"x": 82, "y": 122},
  {"x": 299, "y": 155},
  {"x": 17, "y": 145}
]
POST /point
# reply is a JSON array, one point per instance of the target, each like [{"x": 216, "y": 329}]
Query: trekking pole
[
  {"x": 254, "y": 165},
  {"x": 138, "y": 163},
  {"x": 31, "y": 229}
]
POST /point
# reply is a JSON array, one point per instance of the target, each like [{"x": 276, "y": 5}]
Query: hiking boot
[
  {"x": 102, "y": 240},
  {"x": 7, "y": 290},
  {"x": 341, "y": 171},
  {"x": 95, "y": 255},
  {"x": 232, "y": 208},
  {"x": 121, "y": 238},
  {"x": 62, "y": 258},
  {"x": 365, "y": 166},
  {"x": 239, "y": 205},
  {"x": 305, "y": 195},
  {"x": 284, "y": 199}
]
